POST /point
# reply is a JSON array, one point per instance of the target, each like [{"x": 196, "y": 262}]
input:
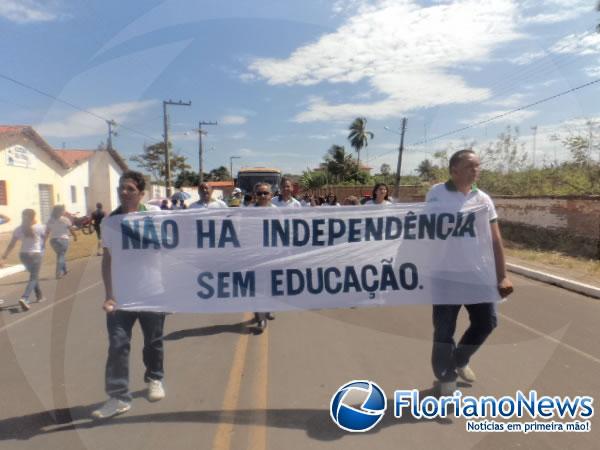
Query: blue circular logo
[{"x": 358, "y": 406}]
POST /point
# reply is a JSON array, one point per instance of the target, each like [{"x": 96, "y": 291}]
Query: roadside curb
[
  {"x": 580, "y": 288},
  {"x": 11, "y": 270}
]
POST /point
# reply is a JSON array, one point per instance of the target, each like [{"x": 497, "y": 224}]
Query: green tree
[
  {"x": 312, "y": 179},
  {"x": 221, "y": 173},
  {"x": 506, "y": 154},
  {"x": 153, "y": 160},
  {"x": 359, "y": 136},
  {"x": 338, "y": 163},
  {"x": 186, "y": 178},
  {"x": 426, "y": 170}
]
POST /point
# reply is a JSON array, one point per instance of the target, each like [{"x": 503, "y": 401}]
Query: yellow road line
[
  {"x": 257, "y": 439},
  {"x": 222, "y": 439}
]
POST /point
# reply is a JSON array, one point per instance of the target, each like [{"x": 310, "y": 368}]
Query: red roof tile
[{"x": 75, "y": 157}]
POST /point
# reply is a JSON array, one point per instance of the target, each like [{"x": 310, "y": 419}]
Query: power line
[
  {"x": 499, "y": 116},
  {"x": 72, "y": 105}
]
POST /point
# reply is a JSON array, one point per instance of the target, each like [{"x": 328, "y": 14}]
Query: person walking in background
[
  {"x": 351, "y": 200},
  {"x": 380, "y": 195},
  {"x": 32, "y": 236},
  {"x": 449, "y": 360},
  {"x": 164, "y": 205},
  {"x": 285, "y": 199},
  {"x": 59, "y": 228},
  {"x": 97, "y": 216},
  {"x": 263, "y": 196},
  {"x": 206, "y": 200},
  {"x": 236, "y": 198}
]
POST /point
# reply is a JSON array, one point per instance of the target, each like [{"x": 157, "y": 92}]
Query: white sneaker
[
  {"x": 112, "y": 407},
  {"x": 466, "y": 373},
  {"x": 156, "y": 391},
  {"x": 24, "y": 304},
  {"x": 446, "y": 388}
]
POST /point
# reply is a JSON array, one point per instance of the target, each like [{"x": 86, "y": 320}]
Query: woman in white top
[
  {"x": 379, "y": 195},
  {"x": 32, "y": 237},
  {"x": 59, "y": 229}
]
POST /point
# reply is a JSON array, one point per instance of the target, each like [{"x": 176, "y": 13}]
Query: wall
[
  {"x": 22, "y": 183},
  {"x": 78, "y": 177}
]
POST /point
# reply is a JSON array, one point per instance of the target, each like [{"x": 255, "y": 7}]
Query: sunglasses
[{"x": 262, "y": 193}]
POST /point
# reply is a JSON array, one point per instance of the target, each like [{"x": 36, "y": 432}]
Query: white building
[{"x": 35, "y": 175}]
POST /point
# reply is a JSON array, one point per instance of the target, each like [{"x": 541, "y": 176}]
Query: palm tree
[
  {"x": 359, "y": 135},
  {"x": 338, "y": 163}
]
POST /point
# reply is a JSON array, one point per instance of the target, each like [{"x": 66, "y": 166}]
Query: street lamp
[{"x": 231, "y": 158}]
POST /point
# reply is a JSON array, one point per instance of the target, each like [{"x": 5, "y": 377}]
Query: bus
[{"x": 247, "y": 178}]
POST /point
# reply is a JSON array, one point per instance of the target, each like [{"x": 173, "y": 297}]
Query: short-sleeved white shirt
[
  {"x": 372, "y": 202},
  {"x": 212, "y": 204},
  {"x": 446, "y": 194},
  {"x": 59, "y": 228},
  {"x": 291, "y": 203},
  {"x": 33, "y": 244}
]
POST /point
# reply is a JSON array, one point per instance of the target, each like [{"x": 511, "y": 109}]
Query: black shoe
[
  {"x": 262, "y": 324},
  {"x": 270, "y": 316}
]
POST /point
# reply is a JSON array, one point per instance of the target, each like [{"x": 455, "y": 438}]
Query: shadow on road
[
  {"x": 315, "y": 422},
  {"x": 240, "y": 328}
]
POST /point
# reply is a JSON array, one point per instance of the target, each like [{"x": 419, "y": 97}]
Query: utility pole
[
  {"x": 231, "y": 158},
  {"x": 166, "y": 137},
  {"x": 534, "y": 129},
  {"x": 111, "y": 123},
  {"x": 201, "y": 150},
  {"x": 399, "y": 166}
]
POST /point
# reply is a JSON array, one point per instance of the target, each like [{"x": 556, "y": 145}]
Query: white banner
[{"x": 272, "y": 259}]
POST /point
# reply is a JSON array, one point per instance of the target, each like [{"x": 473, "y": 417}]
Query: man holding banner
[
  {"x": 449, "y": 360},
  {"x": 120, "y": 322}
]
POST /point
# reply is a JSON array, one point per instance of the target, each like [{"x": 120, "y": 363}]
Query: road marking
[
  {"x": 31, "y": 315},
  {"x": 551, "y": 339},
  {"x": 257, "y": 439},
  {"x": 222, "y": 439}
]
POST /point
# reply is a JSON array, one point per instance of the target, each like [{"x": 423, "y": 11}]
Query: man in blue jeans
[
  {"x": 120, "y": 323},
  {"x": 449, "y": 360}
]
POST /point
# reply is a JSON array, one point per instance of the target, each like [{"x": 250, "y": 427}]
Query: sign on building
[{"x": 19, "y": 156}]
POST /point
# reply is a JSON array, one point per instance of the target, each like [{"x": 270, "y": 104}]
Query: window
[
  {"x": 3, "y": 193},
  {"x": 73, "y": 194}
]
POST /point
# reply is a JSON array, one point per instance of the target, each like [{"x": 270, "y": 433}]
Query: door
[{"x": 46, "y": 202}]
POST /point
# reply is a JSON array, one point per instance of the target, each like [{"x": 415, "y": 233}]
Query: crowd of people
[{"x": 449, "y": 360}]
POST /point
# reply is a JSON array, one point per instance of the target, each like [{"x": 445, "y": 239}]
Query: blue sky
[{"x": 285, "y": 79}]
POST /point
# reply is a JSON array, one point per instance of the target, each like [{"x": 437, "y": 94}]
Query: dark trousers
[
  {"x": 446, "y": 355},
  {"x": 119, "y": 325}
]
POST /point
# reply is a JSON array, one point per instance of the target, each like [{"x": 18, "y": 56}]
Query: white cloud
[
  {"x": 586, "y": 43},
  {"x": 512, "y": 101},
  {"x": 25, "y": 11},
  {"x": 238, "y": 136},
  {"x": 233, "y": 120},
  {"x": 81, "y": 124},
  {"x": 593, "y": 71},
  {"x": 390, "y": 45},
  {"x": 512, "y": 118},
  {"x": 246, "y": 152},
  {"x": 544, "y": 12},
  {"x": 527, "y": 58}
]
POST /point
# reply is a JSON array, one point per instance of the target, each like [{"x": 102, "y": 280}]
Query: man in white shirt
[
  {"x": 206, "y": 200},
  {"x": 285, "y": 199},
  {"x": 449, "y": 360}
]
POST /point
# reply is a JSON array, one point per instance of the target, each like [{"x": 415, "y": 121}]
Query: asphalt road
[{"x": 230, "y": 389}]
